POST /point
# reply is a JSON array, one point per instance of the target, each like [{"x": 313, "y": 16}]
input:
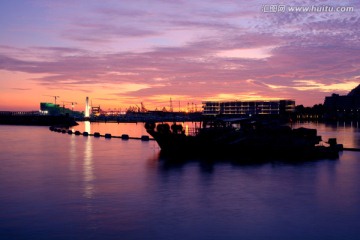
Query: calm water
[{"x": 60, "y": 186}]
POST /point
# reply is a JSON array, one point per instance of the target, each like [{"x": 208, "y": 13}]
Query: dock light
[{"x": 45, "y": 112}]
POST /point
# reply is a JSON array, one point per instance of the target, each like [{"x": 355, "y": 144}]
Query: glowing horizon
[{"x": 122, "y": 54}]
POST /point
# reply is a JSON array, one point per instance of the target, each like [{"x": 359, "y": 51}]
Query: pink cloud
[{"x": 321, "y": 48}]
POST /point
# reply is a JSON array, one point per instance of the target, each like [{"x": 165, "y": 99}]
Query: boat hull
[{"x": 239, "y": 146}]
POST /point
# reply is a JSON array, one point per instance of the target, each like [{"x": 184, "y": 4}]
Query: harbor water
[{"x": 61, "y": 186}]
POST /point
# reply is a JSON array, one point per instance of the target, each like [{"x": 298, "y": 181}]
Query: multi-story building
[{"x": 248, "y": 108}]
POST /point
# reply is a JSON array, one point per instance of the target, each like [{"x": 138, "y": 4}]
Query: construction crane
[
  {"x": 171, "y": 105},
  {"x": 72, "y": 104},
  {"x": 55, "y": 97},
  {"x": 143, "y": 108},
  {"x": 137, "y": 108}
]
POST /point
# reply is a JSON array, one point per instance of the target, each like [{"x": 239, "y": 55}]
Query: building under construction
[{"x": 56, "y": 110}]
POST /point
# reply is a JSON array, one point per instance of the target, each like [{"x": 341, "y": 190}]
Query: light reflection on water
[
  {"x": 87, "y": 126},
  {"x": 60, "y": 186},
  {"x": 88, "y": 169},
  {"x": 116, "y": 129},
  {"x": 347, "y": 133}
]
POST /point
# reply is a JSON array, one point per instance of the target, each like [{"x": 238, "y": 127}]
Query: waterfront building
[
  {"x": 343, "y": 106},
  {"x": 56, "y": 110},
  {"x": 248, "y": 108},
  {"x": 50, "y": 109}
]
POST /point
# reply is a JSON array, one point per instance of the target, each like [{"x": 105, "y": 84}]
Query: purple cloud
[{"x": 305, "y": 51}]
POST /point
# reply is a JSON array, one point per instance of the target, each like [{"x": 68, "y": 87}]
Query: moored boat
[{"x": 243, "y": 138}]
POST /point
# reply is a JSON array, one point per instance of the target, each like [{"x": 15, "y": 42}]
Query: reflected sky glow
[{"x": 63, "y": 186}]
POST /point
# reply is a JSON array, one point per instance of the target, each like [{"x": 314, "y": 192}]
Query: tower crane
[
  {"x": 55, "y": 97},
  {"x": 72, "y": 104}
]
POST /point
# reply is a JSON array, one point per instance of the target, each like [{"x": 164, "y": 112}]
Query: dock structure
[
  {"x": 34, "y": 118},
  {"x": 352, "y": 149},
  {"x": 19, "y": 113}
]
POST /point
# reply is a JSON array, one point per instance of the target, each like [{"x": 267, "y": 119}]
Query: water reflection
[
  {"x": 76, "y": 153},
  {"x": 73, "y": 154},
  {"x": 346, "y": 133},
  {"x": 88, "y": 169},
  {"x": 87, "y": 126},
  {"x": 114, "y": 189}
]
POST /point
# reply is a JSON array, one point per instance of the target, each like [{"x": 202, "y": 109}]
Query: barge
[{"x": 243, "y": 139}]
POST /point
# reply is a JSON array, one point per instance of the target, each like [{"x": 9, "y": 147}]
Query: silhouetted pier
[
  {"x": 19, "y": 113},
  {"x": 352, "y": 149},
  {"x": 34, "y": 118}
]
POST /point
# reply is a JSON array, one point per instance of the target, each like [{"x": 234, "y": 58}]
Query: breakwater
[{"x": 98, "y": 135}]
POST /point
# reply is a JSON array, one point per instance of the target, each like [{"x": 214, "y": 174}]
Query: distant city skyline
[{"x": 122, "y": 53}]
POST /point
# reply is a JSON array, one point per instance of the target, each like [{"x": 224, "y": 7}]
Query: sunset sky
[{"x": 123, "y": 52}]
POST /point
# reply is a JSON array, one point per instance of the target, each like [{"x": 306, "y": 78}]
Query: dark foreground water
[{"x": 60, "y": 186}]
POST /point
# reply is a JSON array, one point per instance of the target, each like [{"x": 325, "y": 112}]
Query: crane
[
  {"x": 171, "y": 105},
  {"x": 55, "y": 97},
  {"x": 143, "y": 108},
  {"x": 72, "y": 104}
]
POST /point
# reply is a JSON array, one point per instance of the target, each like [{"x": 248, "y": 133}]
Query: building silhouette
[{"x": 343, "y": 107}]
